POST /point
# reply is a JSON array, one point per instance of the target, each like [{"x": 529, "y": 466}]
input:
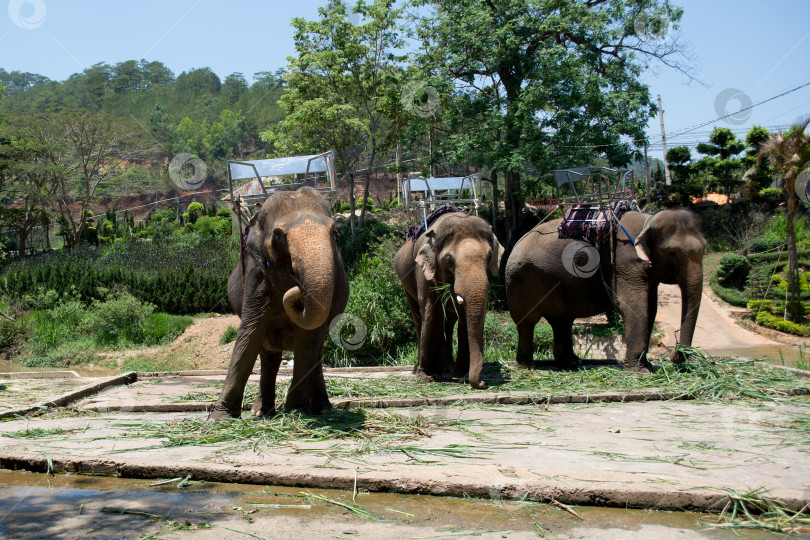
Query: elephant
[
  {"x": 444, "y": 274},
  {"x": 294, "y": 285},
  {"x": 562, "y": 279}
]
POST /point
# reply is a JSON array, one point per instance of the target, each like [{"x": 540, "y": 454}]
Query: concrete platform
[{"x": 639, "y": 449}]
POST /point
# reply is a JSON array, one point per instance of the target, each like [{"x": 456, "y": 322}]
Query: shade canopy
[
  {"x": 439, "y": 184},
  {"x": 278, "y": 166}
]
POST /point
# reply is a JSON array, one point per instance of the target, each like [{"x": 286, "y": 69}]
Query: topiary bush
[{"x": 733, "y": 271}]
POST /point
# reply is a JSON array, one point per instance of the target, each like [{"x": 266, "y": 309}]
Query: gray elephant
[
  {"x": 294, "y": 285},
  {"x": 444, "y": 273},
  {"x": 562, "y": 279}
]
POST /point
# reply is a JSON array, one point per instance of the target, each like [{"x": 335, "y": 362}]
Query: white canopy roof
[
  {"x": 434, "y": 184},
  {"x": 278, "y": 166}
]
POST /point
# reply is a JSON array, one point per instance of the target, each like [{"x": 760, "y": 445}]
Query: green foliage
[
  {"x": 733, "y": 270},
  {"x": 69, "y": 333},
  {"x": 721, "y": 169},
  {"x": 353, "y": 247},
  {"x": 771, "y": 192},
  {"x": 776, "y": 230},
  {"x": 766, "y": 319},
  {"x": 228, "y": 335},
  {"x": 177, "y": 275},
  {"x": 378, "y": 300}
]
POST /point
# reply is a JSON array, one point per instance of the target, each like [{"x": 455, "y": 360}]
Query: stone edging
[
  {"x": 614, "y": 494},
  {"x": 73, "y": 396}
]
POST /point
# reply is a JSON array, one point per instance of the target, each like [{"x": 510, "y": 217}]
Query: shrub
[
  {"x": 766, "y": 319},
  {"x": 228, "y": 335},
  {"x": 378, "y": 300},
  {"x": 345, "y": 207},
  {"x": 351, "y": 248},
  {"x": 120, "y": 320},
  {"x": 160, "y": 328},
  {"x": 42, "y": 362},
  {"x": 733, "y": 271}
]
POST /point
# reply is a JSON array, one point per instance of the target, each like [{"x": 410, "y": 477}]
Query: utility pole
[
  {"x": 399, "y": 175},
  {"x": 664, "y": 141},
  {"x": 647, "y": 173}
]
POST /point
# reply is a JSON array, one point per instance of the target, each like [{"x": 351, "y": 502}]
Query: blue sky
[{"x": 749, "y": 48}]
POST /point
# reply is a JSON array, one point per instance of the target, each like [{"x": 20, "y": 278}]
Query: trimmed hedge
[
  {"x": 766, "y": 319},
  {"x": 175, "y": 275}
]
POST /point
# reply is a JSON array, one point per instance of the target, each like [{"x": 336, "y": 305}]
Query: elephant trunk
[
  {"x": 691, "y": 284},
  {"x": 309, "y": 303},
  {"x": 473, "y": 294}
]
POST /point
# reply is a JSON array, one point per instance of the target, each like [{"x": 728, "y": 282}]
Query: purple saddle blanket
[{"x": 589, "y": 223}]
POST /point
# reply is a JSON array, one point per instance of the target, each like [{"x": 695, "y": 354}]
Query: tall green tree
[
  {"x": 551, "y": 82},
  {"x": 684, "y": 185},
  {"x": 343, "y": 88},
  {"x": 757, "y": 176},
  {"x": 789, "y": 155},
  {"x": 722, "y": 167},
  {"x": 83, "y": 152}
]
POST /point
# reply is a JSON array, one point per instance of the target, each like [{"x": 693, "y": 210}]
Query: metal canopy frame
[
  {"x": 594, "y": 184},
  {"x": 317, "y": 170},
  {"x": 438, "y": 191}
]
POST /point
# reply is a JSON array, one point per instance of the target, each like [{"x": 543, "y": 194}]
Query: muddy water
[
  {"x": 84, "y": 371},
  {"x": 37, "y": 506},
  {"x": 775, "y": 354}
]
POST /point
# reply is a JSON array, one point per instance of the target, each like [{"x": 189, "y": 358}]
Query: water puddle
[
  {"x": 7, "y": 366},
  {"x": 779, "y": 355},
  {"x": 40, "y": 506}
]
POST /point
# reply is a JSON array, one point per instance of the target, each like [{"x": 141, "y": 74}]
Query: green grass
[
  {"x": 377, "y": 431},
  {"x": 701, "y": 377},
  {"x": 228, "y": 335}
]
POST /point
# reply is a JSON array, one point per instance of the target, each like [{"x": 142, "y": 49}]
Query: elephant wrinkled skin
[
  {"x": 294, "y": 285},
  {"x": 455, "y": 253},
  {"x": 562, "y": 279}
]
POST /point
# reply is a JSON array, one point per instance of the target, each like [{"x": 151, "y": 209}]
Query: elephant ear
[
  {"x": 426, "y": 257},
  {"x": 643, "y": 244},
  {"x": 497, "y": 253}
]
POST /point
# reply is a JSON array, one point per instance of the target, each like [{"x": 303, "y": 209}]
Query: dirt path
[{"x": 716, "y": 332}]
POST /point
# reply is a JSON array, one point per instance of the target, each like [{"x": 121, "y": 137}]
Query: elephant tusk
[{"x": 459, "y": 299}]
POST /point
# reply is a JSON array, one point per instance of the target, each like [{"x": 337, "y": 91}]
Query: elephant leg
[
  {"x": 319, "y": 401},
  {"x": 416, "y": 314},
  {"x": 652, "y": 311},
  {"x": 248, "y": 345},
  {"x": 461, "y": 368},
  {"x": 564, "y": 342},
  {"x": 306, "y": 369},
  {"x": 525, "y": 345},
  {"x": 635, "y": 308},
  {"x": 446, "y": 362},
  {"x": 431, "y": 344},
  {"x": 265, "y": 404}
]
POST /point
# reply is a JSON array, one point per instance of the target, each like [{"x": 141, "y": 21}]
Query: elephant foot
[
  {"x": 478, "y": 385},
  {"x": 642, "y": 367},
  {"x": 422, "y": 375},
  {"x": 678, "y": 356},
  {"x": 321, "y": 407},
  {"x": 525, "y": 363},
  {"x": 569, "y": 363},
  {"x": 260, "y": 410},
  {"x": 221, "y": 412}
]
